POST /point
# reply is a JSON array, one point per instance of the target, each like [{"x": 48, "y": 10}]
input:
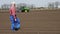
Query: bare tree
[
  {"x": 56, "y": 4},
  {"x": 51, "y": 5},
  {"x": 5, "y": 6}
]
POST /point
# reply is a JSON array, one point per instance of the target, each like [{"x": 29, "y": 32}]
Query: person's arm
[{"x": 14, "y": 16}]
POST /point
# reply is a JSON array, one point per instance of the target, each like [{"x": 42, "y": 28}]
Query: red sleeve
[{"x": 15, "y": 13}]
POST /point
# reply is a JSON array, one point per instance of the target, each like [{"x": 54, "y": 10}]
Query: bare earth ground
[{"x": 34, "y": 22}]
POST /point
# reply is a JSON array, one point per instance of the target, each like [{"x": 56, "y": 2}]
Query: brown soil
[{"x": 34, "y": 22}]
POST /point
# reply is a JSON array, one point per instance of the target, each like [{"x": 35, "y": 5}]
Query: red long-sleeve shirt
[{"x": 13, "y": 11}]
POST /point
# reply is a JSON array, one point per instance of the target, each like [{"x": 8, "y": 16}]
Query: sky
[{"x": 37, "y": 3}]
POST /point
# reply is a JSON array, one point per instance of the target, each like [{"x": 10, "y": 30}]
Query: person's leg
[
  {"x": 17, "y": 27},
  {"x": 12, "y": 22},
  {"x": 12, "y": 26},
  {"x": 18, "y": 21}
]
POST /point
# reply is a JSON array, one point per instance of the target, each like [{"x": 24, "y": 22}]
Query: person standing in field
[{"x": 15, "y": 22}]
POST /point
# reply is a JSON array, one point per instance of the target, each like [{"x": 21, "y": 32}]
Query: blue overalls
[{"x": 14, "y": 24}]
